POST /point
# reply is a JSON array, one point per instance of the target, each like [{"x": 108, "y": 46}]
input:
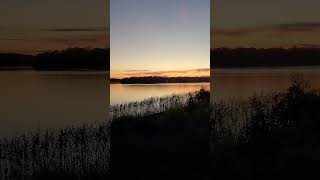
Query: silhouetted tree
[
  {"x": 272, "y": 57},
  {"x": 157, "y": 79},
  {"x": 68, "y": 59}
]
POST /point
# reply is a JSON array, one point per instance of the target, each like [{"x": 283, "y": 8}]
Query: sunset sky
[
  {"x": 35, "y": 26},
  {"x": 160, "y": 38},
  {"x": 265, "y": 23}
]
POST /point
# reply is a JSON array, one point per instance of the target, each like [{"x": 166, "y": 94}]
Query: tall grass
[
  {"x": 72, "y": 153},
  {"x": 154, "y": 105},
  {"x": 237, "y": 118},
  {"x": 78, "y": 152},
  {"x": 166, "y": 139},
  {"x": 266, "y": 136}
]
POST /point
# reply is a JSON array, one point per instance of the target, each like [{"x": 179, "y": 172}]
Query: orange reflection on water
[{"x": 120, "y": 93}]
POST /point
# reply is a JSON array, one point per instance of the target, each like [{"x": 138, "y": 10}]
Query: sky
[
  {"x": 160, "y": 38},
  {"x": 33, "y": 26},
  {"x": 265, "y": 23}
]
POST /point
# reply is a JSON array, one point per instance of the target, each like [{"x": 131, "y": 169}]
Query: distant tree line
[
  {"x": 156, "y": 79},
  {"x": 113, "y": 80},
  {"x": 273, "y": 57},
  {"x": 68, "y": 59},
  {"x": 11, "y": 60}
]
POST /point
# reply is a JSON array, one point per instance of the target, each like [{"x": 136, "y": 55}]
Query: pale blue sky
[{"x": 154, "y": 35}]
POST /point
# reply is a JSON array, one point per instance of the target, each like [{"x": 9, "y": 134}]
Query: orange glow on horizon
[{"x": 182, "y": 73}]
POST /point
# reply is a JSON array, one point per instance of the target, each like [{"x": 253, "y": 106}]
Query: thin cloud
[
  {"x": 277, "y": 28},
  {"x": 89, "y": 38},
  {"x": 34, "y": 30},
  {"x": 166, "y": 73},
  {"x": 12, "y": 39},
  {"x": 137, "y": 70},
  {"x": 90, "y": 29},
  {"x": 304, "y": 45}
]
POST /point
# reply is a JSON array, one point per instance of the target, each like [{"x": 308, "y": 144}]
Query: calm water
[
  {"x": 246, "y": 82},
  {"x": 30, "y": 99},
  {"x": 121, "y": 93}
]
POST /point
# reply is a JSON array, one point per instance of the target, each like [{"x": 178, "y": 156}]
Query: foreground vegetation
[
  {"x": 267, "y": 136},
  {"x": 69, "y": 153},
  {"x": 156, "y": 138},
  {"x": 150, "y": 106},
  {"x": 168, "y": 140}
]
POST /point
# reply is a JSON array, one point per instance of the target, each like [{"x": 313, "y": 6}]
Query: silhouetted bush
[
  {"x": 168, "y": 139},
  {"x": 266, "y": 136},
  {"x": 156, "y": 105}
]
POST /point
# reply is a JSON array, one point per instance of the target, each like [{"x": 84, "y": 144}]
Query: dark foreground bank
[
  {"x": 168, "y": 145},
  {"x": 267, "y": 136},
  {"x": 165, "y": 141}
]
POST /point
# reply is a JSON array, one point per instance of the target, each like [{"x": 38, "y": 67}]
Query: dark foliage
[
  {"x": 68, "y": 59},
  {"x": 74, "y": 59},
  {"x": 268, "y": 136},
  {"x": 146, "y": 145},
  {"x": 16, "y": 61},
  {"x": 113, "y": 80},
  {"x": 69, "y": 153},
  {"x": 252, "y": 57},
  {"x": 169, "y": 145},
  {"x": 156, "y": 79}
]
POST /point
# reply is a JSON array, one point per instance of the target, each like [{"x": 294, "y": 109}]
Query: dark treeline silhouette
[
  {"x": 74, "y": 58},
  {"x": 68, "y": 59},
  {"x": 113, "y": 80},
  {"x": 273, "y": 57},
  {"x": 16, "y": 61},
  {"x": 157, "y": 79}
]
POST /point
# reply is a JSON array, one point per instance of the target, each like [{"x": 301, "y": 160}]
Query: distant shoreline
[
  {"x": 159, "y": 80},
  {"x": 33, "y": 69},
  {"x": 71, "y": 59},
  {"x": 13, "y": 68},
  {"x": 272, "y": 57},
  {"x": 159, "y": 83}
]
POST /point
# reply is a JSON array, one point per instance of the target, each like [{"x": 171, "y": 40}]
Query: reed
[
  {"x": 266, "y": 136},
  {"x": 156, "y": 105},
  {"x": 71, "y": 152},
  {"x": 81, "y": 152}
]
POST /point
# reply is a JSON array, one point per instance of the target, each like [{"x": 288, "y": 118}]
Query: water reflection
[
  {"x": 246, "y": 82},
  {"x": 32, "y": 99},
  {"x": 121, "y": 93}
]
